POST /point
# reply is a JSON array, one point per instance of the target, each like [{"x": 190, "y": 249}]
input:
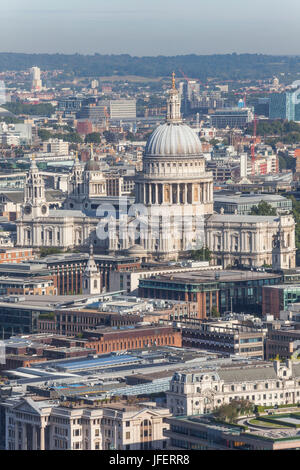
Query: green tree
[
  {"x": 203, "y": 254},
  {"x": 44, "y": 134},
  {"x": 230, "y": 412},
  {"x": 215, "y": 312},
  {"x": 93, "y": 137},
  {"x": 46, "y": 251},
  {"x": 130, "y": 136},
  {"x": 42, "y": 109},
  {"x": 263, "y": 208},
  {"x": 110, "y": 137}
]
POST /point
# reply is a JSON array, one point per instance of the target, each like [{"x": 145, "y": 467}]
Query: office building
[
  {"x": 278, "y": 298},
  {"x": 238, "y": 291},
  {"x": 232, "y": 117},
  {"x": 285, "y": 105},
  {"x": 224, "y": 337},
  {"x": 243, "y": 203},
  {"x": 122, "y": 109},
  {"x": 206, "y": 433},
  {"x": 36, "y": 83},
  {"x": 56, "y": 146}
]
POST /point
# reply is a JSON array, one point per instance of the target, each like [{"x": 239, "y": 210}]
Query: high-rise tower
[{"x": 36, "y": 84}]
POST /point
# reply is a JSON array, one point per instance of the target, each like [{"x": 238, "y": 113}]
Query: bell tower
[
  {"x": 76, "y": 185},
  {"x": 91, "y": 279},
  {"x": 35, "y": 204}
]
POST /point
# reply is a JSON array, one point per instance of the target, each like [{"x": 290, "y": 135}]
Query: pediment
[{"x": 26, "y": 407}]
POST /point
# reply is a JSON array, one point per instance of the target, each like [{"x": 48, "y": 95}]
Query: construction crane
[
  {"x": 253, "y": 145},
  {"x": 189, "y": 79}
]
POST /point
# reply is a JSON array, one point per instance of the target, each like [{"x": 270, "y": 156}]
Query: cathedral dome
[
  {"x": 136, "y": 250},
  {"x": 173, "y": 139}
]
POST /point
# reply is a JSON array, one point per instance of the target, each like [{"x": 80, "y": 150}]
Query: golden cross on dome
[{"x": 173, "y": 81}]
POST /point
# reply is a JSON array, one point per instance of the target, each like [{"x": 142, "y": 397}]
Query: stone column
[
  {"x": 42, "y": 431},
  {"x": 156, "y": 194},
  {"x": 24, "y": 437},
  {"x": 16, "y": 436},
  {"x": 34, "y": 437},
  {"x": 185, "y": 193}
]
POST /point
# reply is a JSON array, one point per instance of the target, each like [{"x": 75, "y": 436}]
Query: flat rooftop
[
  {"x": 53, "y": 301},
  {"x": 97, "y": 362},
  {"x": 220, "y": 276},
  {"x": 249, "y": 198}
]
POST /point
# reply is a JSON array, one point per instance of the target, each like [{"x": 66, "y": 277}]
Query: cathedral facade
[{"x": 172, "y": 214}]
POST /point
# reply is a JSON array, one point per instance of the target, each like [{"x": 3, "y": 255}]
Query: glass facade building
[{"x": 285, "y": 105}]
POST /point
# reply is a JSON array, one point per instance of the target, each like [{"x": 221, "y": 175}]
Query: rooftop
[{"x": 220, "y": 276}]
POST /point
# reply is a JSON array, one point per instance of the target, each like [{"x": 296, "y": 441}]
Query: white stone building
[
  {"x": 172, "y": 214},
  {"x": 265, "y": 384},
  {"x": 35, "y": 424}
]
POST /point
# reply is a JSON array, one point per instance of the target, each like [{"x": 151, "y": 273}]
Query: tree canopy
[
  {"x": 263, "y": 208},
  {"x": 231, "y": 411},
  {"x": 93, "y": 137},
  {"x": 224, "y": 66},
  {"x": 42, "y": 109},
  {"x": 203, "y": 254}
]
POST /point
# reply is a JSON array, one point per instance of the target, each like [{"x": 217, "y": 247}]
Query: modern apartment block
[{"x": 226, "y": 338}]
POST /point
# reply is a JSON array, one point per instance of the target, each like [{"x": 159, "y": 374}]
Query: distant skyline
[{"x": 159, "y": 27}]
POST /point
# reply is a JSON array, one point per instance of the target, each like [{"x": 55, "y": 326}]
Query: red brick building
[
  {"x": 108, "y": 340},
  {"x": 15, "y": 255}
]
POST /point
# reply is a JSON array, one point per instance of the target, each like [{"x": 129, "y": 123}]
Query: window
[{"x": 128, "y": 435}]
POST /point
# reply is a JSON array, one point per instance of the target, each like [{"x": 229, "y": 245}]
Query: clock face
[
  {"x": 44, "y": 210},
  {"x": 28, "y": 210}
]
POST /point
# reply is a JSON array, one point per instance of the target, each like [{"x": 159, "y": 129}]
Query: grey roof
[
  {"x": 66, "y": 213},
  {"x": 233, "y": 218},
  {"x": 54, "y": 195},
  {"x": 14, "y": 196},
  {"x": 244, "y": 374},
  {"x": 255, "y": 199},
  {"x": 5, "y": 112},
  {"x": 18, "y": 196}
]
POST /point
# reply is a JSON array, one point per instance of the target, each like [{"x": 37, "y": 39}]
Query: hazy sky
[{"x": 150, "y": 27}]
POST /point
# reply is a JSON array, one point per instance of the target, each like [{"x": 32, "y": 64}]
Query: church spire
[
  {"x": 91, "y": 266},
  {"x": 91, "y": 276},
  {"x": 173, "y": 81},
  {"x": 173, "y": 104}
]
